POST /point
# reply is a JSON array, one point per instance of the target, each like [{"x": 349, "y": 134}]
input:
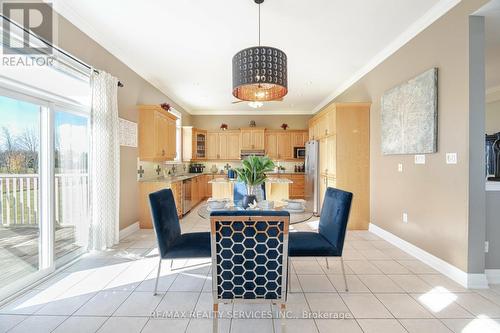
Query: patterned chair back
[{"x": 249, "y": 255}]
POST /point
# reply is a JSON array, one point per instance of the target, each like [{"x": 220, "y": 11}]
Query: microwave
[{"x": 299, "y": 152}]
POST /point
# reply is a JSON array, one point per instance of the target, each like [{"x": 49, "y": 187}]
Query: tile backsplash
[{"x": 149, "y": 168}]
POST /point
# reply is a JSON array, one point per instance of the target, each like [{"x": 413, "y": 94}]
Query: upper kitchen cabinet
[
  {"x": 194, "y": 144},
  {"x": 323, "y": 124},
  {"x": 278, "y": 144},
  {"x": 252, "y": 138},
  {"x": 299, "y": 138},
  {"x": 223, "y": 145},
  {"x": 343, "y": 132},
  {"x": 157, "y": 134}
]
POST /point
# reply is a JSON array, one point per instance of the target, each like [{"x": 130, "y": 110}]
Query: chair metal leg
[
  {"x": 326, "y": 260},
  {"x": 289, "y": 274},
  {"x": 343, "y": 273},
  {"x": 157, "y": 277},
  {"x": 171, "y": 263}
]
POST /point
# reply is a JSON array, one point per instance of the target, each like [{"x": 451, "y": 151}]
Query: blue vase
[{"x": 248, "y": 199}]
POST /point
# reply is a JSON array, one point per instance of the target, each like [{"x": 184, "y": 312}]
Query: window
[{"x": 178, "y": 135}]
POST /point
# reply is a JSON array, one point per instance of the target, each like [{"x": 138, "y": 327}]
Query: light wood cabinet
[
  {"x": 279, "y": 144},
  {"x": 299, "y": 138},
  {"x": 223, "y": 145},
  {"x": 212, "y": 145},
  {"x": 271, "y": 144},
  {"x": 252, "y": 138},
  {"x": 145, "y": 188},
  {"x": 194, "y": 144},
  {"x": 297, "y": 187},
  {"x": 343, "y": 132},
  {"x": 157, "y": 134}
]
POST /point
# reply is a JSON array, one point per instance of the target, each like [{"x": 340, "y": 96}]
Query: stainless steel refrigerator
[{"x": 311, "y": 190}]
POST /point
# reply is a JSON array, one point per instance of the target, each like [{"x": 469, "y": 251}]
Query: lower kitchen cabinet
[
  {"x": 145, "y": 188},
  {"x": 297, "y": 187}
]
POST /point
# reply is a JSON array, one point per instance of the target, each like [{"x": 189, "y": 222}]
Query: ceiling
[{"x": 184, "y": 48}]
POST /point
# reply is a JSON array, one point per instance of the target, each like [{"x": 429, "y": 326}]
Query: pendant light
[{"x": 260, "y": 72}]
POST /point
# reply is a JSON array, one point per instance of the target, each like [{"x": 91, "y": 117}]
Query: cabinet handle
[{"x": 162, "y": 152}]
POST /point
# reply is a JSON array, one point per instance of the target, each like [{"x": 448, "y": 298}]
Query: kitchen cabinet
[
  {"x": 145, "y": 188},
  {"x": 252, "y": 138},
  {"x": 223, "y": 145},
  {"x": 271, "y": 144},
  {"x": 297, "y": 187},
  {"x": 157, "y": 134},
  {"x": 278, "y": 145},
  {"x": 299, "y": 138},
  {"x": 212, "y": 145},
  {"x": 194, "y": 144},
  {"x": 343, "y": 132}
]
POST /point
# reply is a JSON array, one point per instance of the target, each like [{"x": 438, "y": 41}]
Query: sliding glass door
[
  {"x": 20, "y": 220},
  {"x": 44, "y": 182},
  {"x": 71, "y": 184}
]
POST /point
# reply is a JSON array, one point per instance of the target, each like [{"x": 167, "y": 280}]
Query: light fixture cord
[{"x": 259, "y": 24}]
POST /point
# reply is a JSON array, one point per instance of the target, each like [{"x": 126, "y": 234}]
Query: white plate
[{"x": 294, "y": 210}]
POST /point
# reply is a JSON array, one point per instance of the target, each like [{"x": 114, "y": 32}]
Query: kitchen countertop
[
  {"x": 176, "y": 178},
  {"x": 285, "y": 173}
]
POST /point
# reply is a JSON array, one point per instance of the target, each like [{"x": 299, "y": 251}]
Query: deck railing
[{"x": 19, "y": 199}]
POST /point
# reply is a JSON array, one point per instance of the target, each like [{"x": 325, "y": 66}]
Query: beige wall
[
  {"x": 235, "y": 122},
  {"x": 434, "y": 195},
  {"x": 493, "y": 117},
  {"x": 136, "y": 91}
]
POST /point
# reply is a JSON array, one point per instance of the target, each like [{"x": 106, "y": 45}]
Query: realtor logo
[{"x": 36, "y": 17}]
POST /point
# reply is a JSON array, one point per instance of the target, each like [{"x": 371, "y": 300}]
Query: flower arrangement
[
  {"x": 165, "y": 106},
  {"x": 223, "y": 126},
  {"x": 284, "y": 126}
]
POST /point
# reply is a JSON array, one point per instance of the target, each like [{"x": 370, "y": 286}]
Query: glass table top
[{"x": 295, "y": 217}]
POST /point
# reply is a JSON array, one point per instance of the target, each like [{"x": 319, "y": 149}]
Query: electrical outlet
[
  {"x": 405, "y": 218},
  {"x": 419, "y": 159},
  {"x": 486, "y": 247},
  {"x": 400, "y": 167},
  {"x": 451, "y": 158}
]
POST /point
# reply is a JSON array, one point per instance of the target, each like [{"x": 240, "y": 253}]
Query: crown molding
[
  {"x": 438, "y": 10},
  {"x": 107, "y": 44},
  {"x": 250, "y": 113}
]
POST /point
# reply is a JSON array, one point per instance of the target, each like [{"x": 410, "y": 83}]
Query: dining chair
[
  {"x": 172, "y": 244},
  {"x": 249, "y": 256},
  {"x": 329, "y": 240}
]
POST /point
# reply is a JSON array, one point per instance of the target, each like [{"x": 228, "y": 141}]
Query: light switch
[
  {"x": 451, "y": 158},
  {"x": 419, "y": 159},
  {"x": 405, "y": 218},
  {"x": 400, "y": 167}
]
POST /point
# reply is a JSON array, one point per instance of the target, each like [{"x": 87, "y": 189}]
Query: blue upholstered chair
[
  {"x": 171, "y": 243},
  {"x": 240, "y": 190},
  {"x": 329, "y": 241},
  {"x": 249, "y": 256}
]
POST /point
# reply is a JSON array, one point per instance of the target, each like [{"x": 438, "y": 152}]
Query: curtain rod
[{"x": 120, "y": 84}]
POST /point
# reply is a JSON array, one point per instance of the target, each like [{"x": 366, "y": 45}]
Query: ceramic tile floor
[{"x": 390, "y": 291}]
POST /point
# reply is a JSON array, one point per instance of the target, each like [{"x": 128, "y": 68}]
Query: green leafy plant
[{"x": 253, "y": 171}]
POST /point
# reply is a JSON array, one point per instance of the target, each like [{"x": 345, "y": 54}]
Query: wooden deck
[{"x": 19, "y": 250}]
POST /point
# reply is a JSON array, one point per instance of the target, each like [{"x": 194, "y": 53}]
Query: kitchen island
[{"x": 276, "y": 188}]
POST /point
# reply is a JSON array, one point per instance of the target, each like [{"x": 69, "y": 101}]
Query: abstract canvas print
[{"x": 409, "y": 116}]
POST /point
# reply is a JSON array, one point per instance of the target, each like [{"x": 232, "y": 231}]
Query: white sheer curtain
[{"x": 104, "y": 162}]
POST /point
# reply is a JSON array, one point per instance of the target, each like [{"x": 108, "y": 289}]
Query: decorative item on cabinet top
[{"x": 157, "y": 134}]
